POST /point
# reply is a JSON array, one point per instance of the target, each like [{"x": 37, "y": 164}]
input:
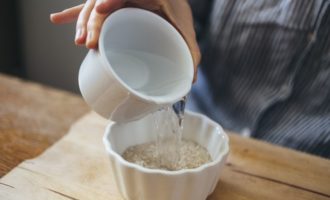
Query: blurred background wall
[
  {"x": 33, "y": 48},
  {"x": 10, "y": 54}
]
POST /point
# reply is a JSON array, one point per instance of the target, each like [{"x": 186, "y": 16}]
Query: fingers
[
  {"x": 81, "y": 27},
  {"x": 66, "y": 16},
  {"x": 90, "y": 17},
  {"x": 96, "y": 20},
  {"x": 108, "y": 6},
  {"x": 93, "y": 28}
]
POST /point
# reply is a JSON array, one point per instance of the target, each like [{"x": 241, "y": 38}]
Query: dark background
[
  {"x": 10, "y": 53},
  {"x": 35, "y": 49}
]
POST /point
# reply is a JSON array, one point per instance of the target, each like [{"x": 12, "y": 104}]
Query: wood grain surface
[
  {"x": 77, "y": 167},
  {"x": 32, "y": 117}
]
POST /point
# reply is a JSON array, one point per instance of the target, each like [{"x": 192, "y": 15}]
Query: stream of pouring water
[{"x": 168, "y": 125}]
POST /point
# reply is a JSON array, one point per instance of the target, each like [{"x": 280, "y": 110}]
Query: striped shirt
[{"x": 265, "y": 70}]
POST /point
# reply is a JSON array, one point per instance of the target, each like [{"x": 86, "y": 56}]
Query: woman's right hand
[{"x": 91, "y": 15}]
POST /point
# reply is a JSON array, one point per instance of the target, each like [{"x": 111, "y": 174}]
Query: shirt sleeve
[{"x": 201, "y": 10}]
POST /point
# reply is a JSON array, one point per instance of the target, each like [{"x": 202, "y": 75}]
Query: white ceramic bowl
[
  {"x": 139, "y": 183},
  {"x": 142, "y": 62}
]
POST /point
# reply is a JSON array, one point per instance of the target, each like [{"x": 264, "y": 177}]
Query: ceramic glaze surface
[
  {"x": 142, "y": 63},
  {"x": 138, "y": 183}
]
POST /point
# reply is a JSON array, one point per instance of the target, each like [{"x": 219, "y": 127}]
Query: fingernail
[
  {"x": 78, "y": 33},
  {"x": 90, "y": 36}
]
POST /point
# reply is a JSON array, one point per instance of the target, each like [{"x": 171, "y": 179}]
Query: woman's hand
[{"x": 91, "y": 15}]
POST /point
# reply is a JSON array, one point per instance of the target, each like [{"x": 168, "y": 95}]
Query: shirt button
[
  {"x": 311, "y": 37},
  {"x": 286, "y": 90}
]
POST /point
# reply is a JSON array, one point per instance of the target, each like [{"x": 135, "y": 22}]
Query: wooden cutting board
[{"x": 77, "y": 167}]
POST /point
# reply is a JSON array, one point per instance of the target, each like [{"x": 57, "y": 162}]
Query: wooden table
[{"x": 33, "y": 117}]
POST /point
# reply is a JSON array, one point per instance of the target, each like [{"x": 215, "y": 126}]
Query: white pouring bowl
[
  {"x": 142, "y": 63},
  {"x": 139, "y": 183}
]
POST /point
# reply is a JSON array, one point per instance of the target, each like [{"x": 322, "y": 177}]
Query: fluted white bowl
[{"x": 139, "y": 183}]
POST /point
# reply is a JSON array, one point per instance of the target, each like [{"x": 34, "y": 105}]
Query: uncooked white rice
[{"x": 192, "y": 155}]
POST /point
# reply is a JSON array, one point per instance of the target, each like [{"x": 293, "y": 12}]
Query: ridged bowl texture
[{"x": 139, "y": 183}]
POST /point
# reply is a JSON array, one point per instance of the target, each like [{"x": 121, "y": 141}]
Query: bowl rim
[{"x": 222, "y": 155}]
